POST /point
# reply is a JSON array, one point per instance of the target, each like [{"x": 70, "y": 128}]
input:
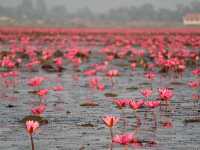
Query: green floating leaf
[
  {"x": 87, "y": 125},
  {"x": 134, "y": 88},
  {"x": 32, "y": 92},
  {"x": 177, "y": 83},
  {"x": 110, "y": 95},
  {"x": 123, "y": 65},
  {"x": 145, "y": 83},
  {"x": 89, "y": 103},
  {"x": 192, "y": 120},
  {"x": 41, "y": 120},
  {"x": 16, "y": 92}
]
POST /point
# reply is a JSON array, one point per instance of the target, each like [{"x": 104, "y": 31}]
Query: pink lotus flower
[
  {"x": 136, "y": 105},
  {"x": 196, "y": 72},
  {"x": 194, "y": 84},
  {"x": 165, "y": 94},
  {"x": 110, "y": 121},
  {"x": 123, "y": 139},
  {"x": 122, "y": 102},
  {"x": 31, "y": 126},
  {"x": 33, "y": 63},
  {"x": 152, "y": 104},
  {"x": 58, "y": 61},
  {"x": 101, "y": 67},
  {"x": 93, "y": 82},
  {"x": 36, "y": 81},
  {"x": 133, "y": 66},
  {"x": 42, "y": 92},
  {"x": 58, "y": 88},
  {"x": 47, "y": 54},
  {"x": 7, "y": 62},
  {"x": 146, "y": 92},
  {"x": 101, "y": 87},
  {"x": 195, "y": 97},
  {"x": 113, "y": 73},
  {"x": 39, "y": 109},
  {"x": 90, "y": 72},
  {"x": 150, "y": 75},
  {"x": 167, "y": 124}
]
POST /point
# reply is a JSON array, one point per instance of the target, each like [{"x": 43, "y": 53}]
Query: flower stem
[
  {"x": 111, "y": 133},
  {"x": 32, "y": 143}
]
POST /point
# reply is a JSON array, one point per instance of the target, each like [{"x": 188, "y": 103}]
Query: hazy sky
[{"x": 104, "y": 5}]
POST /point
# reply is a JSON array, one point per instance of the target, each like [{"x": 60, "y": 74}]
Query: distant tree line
[{"x": 37, "y": 9}]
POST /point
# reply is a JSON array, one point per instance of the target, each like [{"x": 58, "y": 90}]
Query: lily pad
[
  {"x": 48, "y": 68},
  {"x": 110, "y": 95},
  {"x": 134, "y": 88},
  {"x": 192, "y": 120},
  {"x": 145, "y": 83},
  {"x": 10, "y": 106},
  {"x": 123, "y": 65},
  {"x": 16, "y": 92},
  {"x": 89, "y": 103},
  {"x": 87, "y": 125},
  {"x": 41, "y": 120},
  {"x": 177, "y": 83},
  {"x": 33, "y": 92}
]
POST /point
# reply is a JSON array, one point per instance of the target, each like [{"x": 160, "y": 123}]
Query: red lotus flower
[
  {"x": 90, "y": 72},
  {"x": 7, "y": 62},
  {"x": 93, "y": 82},
  {"x": 146, "y": 92},
  {"x": 47, "y": 54},
  {"x": 152, "y": 104},
  {"x": 133, "y": 66},
  {"x": 121, "y": 102},
  {"x": 113, "y": 73},
  {"x": 58, "y": 88},
  {"x": 110, "y": 121},
  {"x": 39, "y": 109},
  {"x": 42, "y": 92},
  {"x": 123, "y": 139},
  {"x": 167, "y": 124},
  {"x": 101, "y": 87},
  {"x": 165, "y": 94},
  {"x": 101, "y": 67},
  {"x": 136, "y": 105},
  {"x": 196, "y": 72},
  {"x": 195, "y": 97},
  {"x": 31, "y": 126},
  {"x": 36, "y": 81},
  {"x": 150, "y": 75},
  {"x": 33, "y": 63},
  {"x": 58, "y": 62},
  {"x": 194, "y": 84}
]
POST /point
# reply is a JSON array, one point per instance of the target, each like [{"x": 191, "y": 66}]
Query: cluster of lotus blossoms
[
  {"x": 128, "y": 138},
  {"x": 36, "y": 84},
  {"x": 195, "y": 84}
]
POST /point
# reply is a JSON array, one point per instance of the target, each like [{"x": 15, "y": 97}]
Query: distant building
[
  {"x": 191, "y": 19},
  {"x": 4, "y": 18}
]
